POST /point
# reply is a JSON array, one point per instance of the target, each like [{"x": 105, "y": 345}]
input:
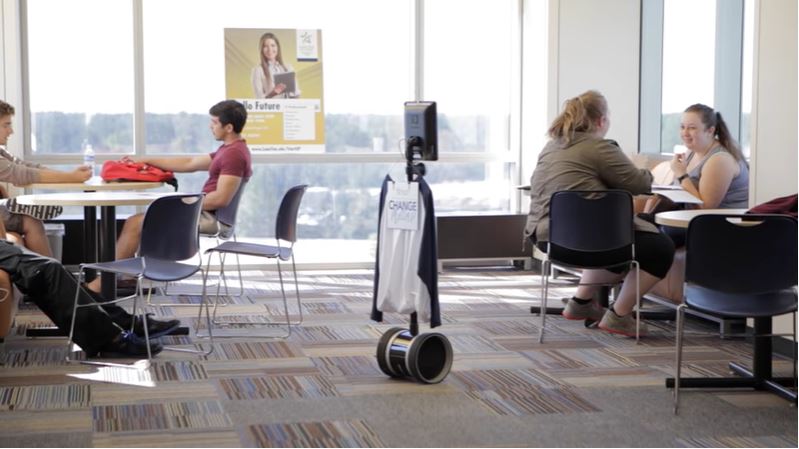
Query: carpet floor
[{"x": 322, "y": 386}]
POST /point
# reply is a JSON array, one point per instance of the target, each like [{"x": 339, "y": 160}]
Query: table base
[{"x": 747, "y": 379}]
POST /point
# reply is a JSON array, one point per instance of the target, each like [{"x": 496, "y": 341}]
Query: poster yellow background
[{"x": 242, "y": 53}]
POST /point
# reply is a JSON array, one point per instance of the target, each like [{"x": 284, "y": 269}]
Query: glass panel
[
  {"x": 746, "y": 77},
  {"x": 80, "y": 75},
  {"x": 366, "y": 74},
  {"x": 689, "y": 42},
  {"x": 341, "y": 203},
  {"x": 468, "y": 72}
]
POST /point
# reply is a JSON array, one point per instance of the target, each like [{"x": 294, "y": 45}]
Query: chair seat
[
  {"x": 253, "y": 249},
  {"x": 157, "y": 269},
  {"x": 733, "y": 305}
]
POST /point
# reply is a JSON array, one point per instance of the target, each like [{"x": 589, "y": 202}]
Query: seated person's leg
[
  {"x": 35, "y": 236},
  {"x": 8, "y": 304},
  {"x": 654, "y": 252},
  {"x": 127, "y": 244},
  {"x": 52, "y": 289},
  {"x": 15, "y": 238}
]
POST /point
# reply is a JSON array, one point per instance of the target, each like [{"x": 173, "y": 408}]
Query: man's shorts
[
  {"x": 12, "y": 222},
  {"x": 211, "y": 226}
]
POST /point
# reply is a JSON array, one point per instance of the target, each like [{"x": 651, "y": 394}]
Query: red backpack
[{"x": 126, "y": 170}]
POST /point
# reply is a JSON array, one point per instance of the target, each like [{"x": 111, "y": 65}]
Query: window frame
[{"x": 727, "y": 79}]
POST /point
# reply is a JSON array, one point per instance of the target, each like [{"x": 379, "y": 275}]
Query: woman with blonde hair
[
  {"x": 578, "y": 157},
  {"x": 263, "y": 75}
]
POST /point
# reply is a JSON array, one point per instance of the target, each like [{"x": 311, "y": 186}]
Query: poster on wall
[{"x": 277, "y": 75}]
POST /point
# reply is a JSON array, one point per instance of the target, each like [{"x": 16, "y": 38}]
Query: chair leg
[
  {"x": 678, "y": 362},
  {"x": 637, "y": 301},
  {"x": 296, "y": 289},
  {"x": 542, "y": 312},
  {"x": 794, "y": 351},
  {"x": 143, "y": 316},
  {"x": 74, "y": 314}
]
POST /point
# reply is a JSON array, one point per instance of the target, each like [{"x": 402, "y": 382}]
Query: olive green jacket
[{"x": 585, "y": 163}]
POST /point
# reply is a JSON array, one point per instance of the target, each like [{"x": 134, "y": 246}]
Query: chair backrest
[
  {"x": 591, "y": 222},
  {"x": 286, "y": 225},
  {"x": 171, "y": 227},
  {"x": 756, "y": 255},
  {"x": 227, "y": 214}
]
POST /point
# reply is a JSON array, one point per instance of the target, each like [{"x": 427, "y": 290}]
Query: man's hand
[{"x": 82, "y": 173}]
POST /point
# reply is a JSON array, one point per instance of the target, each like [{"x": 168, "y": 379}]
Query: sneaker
[
  {"x": 622, "y": 325},
  {"x": 155, "y": 328},
  {"x": 576, "y": 311},
  {"x": 128, "y": 345}
]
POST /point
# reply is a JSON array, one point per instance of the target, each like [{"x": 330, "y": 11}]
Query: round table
[
  {"x": 681, "y": 218},
  {"x": 95, "y": 184}
]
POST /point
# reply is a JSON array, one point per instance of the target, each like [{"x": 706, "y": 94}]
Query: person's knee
[
  {"x": 32, "y": 225},
  {"x": 133, "y": 224}
]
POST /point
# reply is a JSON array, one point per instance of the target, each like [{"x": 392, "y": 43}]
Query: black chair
[
  {"x": 169, "y": 238},
  {"x": 285, "y": 231},
  {"x": 227, "y": 216},
  {"x": 741, "y": 266},
  {"x": 589, "y": 230}
]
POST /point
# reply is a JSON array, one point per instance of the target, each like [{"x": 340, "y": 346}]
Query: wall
[
  {"x": 774, "y": 120},
  {"x": 597, "y": 47},
  {"x": 774, "y": 109}
]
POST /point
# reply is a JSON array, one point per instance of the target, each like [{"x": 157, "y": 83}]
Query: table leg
[
  {"x": 108, "y": 242},
  {"x": 760, "y": 376}
]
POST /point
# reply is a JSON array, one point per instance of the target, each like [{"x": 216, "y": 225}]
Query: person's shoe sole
[{"x": 618, "y": 332}]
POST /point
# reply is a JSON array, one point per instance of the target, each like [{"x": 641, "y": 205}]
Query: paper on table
[
  {"x": 677, "y": 196},
  {"x": 666, "y": 187}
]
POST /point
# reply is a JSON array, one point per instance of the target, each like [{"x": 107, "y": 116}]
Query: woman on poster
[{"x": 272, "y": 69}]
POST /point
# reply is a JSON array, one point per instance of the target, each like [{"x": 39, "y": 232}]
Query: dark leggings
[{"x": 653, "y": 251}]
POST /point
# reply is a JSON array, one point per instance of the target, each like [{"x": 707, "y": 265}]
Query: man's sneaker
[
  {"x": 623, "y": 325},
  {"x": 576, "y": 311},
  {"x": 128, "y": 345},
  {"x": 155, "y": 328}
]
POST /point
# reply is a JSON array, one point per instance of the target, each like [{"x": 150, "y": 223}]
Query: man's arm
[
  {"x": 80, "y": 174},
  {"x": 177, "y": 164},
  {"x": 226, "y": 188}
]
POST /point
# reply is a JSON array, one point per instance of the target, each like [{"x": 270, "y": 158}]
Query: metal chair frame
[
  {"x": 157, "y": 252},
  {"x": 609, "y": 214},
  {"x": 285, "y": 230},
  {"x": 778, "y": 236}
]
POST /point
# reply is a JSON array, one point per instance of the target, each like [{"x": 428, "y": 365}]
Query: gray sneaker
[
  {"x": 576, "y": 311},
  {"x": 624, "y": 325}
]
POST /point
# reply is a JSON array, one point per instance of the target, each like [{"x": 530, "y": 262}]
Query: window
[
  {"x": 691, "y": 52},
  {"x": 154, "y": 100},
  {"x": 80, "y": 76}
]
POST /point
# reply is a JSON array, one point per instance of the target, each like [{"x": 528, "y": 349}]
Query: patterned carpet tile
[
  {"x": 315, "y": 334},
  {"x": 177, "y": 370},
  {"x": 532, "y": 401},
  {"x": 254, "y": 350},
  {"x": 578, "y": 359},
  {"x": 110, "y": 394},
  {"x": 347, "y": 366},
  {"x": 169, "y": 438},
  {"x": 160, "y": 416},
  {"x": 35, "y": 356},
  {"x": 764, "y": 441},
  {"x": 502, "y": 378},
  {"x": 350, "y": 433},
  {"x": 45, "y": 397},
  {"x": 55, "y": 421},
  {"x": 276, "y": 387}
]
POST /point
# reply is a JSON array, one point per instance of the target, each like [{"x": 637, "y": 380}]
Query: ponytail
[{"x": 580, "y": 114}]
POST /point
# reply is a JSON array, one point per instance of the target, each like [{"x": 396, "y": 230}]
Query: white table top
[
  {"x": 96, "y": 184},
  {"x": 681, "y": 218},
  {"x": 126, "y": 198}
]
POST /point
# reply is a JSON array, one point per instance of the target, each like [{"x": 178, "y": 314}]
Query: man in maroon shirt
[{"x": 228, "y": 167}]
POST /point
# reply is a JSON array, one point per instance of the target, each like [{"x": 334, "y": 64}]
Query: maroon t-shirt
[{"x": 232, "y": 159}]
